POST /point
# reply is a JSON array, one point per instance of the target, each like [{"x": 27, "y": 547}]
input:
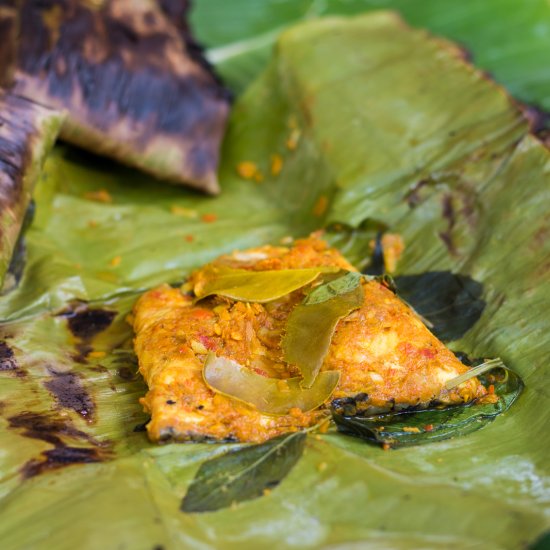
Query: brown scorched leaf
[
  {"x": 134, "y": 90},
  {"x": 8, "y": 35},
  {"x": 27, "y": 133}
]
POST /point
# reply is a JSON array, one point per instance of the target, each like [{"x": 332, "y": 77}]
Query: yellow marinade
[{"x": 386, "y": 356}]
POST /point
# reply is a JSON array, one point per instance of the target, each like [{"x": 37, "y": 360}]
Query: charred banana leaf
[
  {"x": 133, "y": 88},
  {"x": 8, "y": 44},
  {"x": 27, "y": 133}
]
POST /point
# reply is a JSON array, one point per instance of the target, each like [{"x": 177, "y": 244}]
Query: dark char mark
[
  {"x": 51, "y": 430},
  {"x": 86, "y": 323},
  {"x": 126, "y": 373},
  {"x": 17, "y": 114},
  {"x": 8, "y": 32},
  {"x": 18, "y": 260},
  {"x": 8, "y": 363},
  {"x": 177, "y": 11},
  {"x": 376, "y": 265},
  {"x": 539, "y": 119},
  {"x": 69, "y": 392},
  {"x": 449, "y": 214},
  {"x": 142, "y": 427},
  {"x": 59, "y": 457}
]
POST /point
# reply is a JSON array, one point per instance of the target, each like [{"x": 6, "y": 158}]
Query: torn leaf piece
[
  {"x": 254, "y": 286},
  {"x": 269, "y": 395},
  {"x": 27, "y": 133},
  {"x": 312, "y": 323},
  {"x": 134, "y": 89}
]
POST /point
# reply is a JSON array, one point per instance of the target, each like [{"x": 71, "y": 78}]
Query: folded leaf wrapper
[
  {"x": 27, "y": 134},
  {"x": 484, "y": 190},
  {"x": 133, "y": 89},
  {"x": 8, "y": 35}
]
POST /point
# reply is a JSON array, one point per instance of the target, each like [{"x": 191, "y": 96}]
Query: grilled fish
[{"x": 387, "y": 358}]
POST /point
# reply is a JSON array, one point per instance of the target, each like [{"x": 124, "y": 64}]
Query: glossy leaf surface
[{"x": 244, "y": 474}]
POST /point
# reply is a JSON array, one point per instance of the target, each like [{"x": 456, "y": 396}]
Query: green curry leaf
[
  {"x": 332, "y": 289},
  {"x": 243, "y": 474},
  {"x": 255, "y": 286}
]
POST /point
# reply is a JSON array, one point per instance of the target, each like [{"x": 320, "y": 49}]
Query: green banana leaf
[
  {"x": 510, "y": 39},
  {"x": 388, "y": 128}
]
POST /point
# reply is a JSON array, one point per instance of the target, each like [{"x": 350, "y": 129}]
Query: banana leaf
[
  {"x": 8, "y": 31},
  {"x": 507, "y": 38},
  {"x": 135, "y": 90},
  {"x": 27, "y": 133},
  {"x": 375, "y": 124}
]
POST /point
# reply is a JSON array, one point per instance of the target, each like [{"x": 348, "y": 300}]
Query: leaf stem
[{"x": 473, "y": 372}]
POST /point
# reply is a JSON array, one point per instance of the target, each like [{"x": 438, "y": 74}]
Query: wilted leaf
[
  {"x": 27, "y": 134},
  {"x": 268, "y": 395},
  {"x": 506, "y": 39},
  {"x": 137, "y": 92}
]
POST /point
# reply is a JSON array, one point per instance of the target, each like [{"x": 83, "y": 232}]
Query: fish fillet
[{"x": 386, "y": 356}]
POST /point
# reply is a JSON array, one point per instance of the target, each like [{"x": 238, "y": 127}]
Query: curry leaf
[
  {"x": 268, "y": 395},
  {"x": 244, "y": 474},
  {"x": 311, "y": 324},
  {"x": 541, "y": 543},
  {"x": 255, "y": 286},
  {"x": 415, "y": 427},
  {"x": 332, "y": 289}
]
